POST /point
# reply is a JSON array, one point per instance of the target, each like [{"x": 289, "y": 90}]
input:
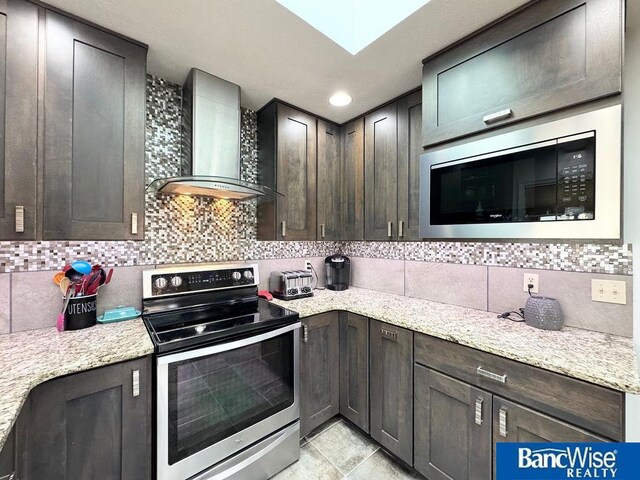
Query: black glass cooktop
[{"x": 208, "y": 324}]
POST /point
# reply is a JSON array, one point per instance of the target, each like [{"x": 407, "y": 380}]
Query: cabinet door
[
  {"x": 319, "y": 374},
  {"x": 354, "y": 369},
  {"x": 452, "y": 428},
  {"x": 94, "y": 121},
  {"x": 296, "y": 175},
  {"x": 329, "y": 163},
  {"x": 514, "y": 423},
  {"x": 391, "y": 388},
  {"x": 551, "y": 55},
  {"x": 353, "y": 180},
  {"x": 89, "y": 425},
  {"x": 381, "y": 173},
  {"x": 7, "y": 456},
  {"x": 409, "y": 151},
  {"x": 18, "y": 117}
]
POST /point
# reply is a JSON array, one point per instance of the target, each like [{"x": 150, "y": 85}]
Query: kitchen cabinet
[
  {"x": 287, "y": 162},
  {"x": 516, "y": 423},
  {"x": 381, "y": 173},
  {"x": 7, "y": 457},
  {"x": 329, "y": 208},
  {"x": 97, "y": 422},
  {"x": 319, "y": 371},
  {"x": 354, "y": 369},
  {"x": 18, "y": 118},
  {"x": 391, "y": 388},
  {"x": 548, "y": 56},
  {"x": 94, "y": 133},
  {"x": 352, "y": 197},
  {"x": 452, "y": 428},
  {"x": 409, "y": 151}
]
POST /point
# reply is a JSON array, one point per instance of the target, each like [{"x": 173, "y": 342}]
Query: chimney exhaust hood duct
[{"x": 210, "y": 164}]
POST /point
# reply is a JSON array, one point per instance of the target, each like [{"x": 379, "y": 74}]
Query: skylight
[{"x": 353, "y": 24}]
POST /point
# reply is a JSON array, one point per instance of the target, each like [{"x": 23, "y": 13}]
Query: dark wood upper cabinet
[
  {"x": 354, "y": 369},
  {"x": 18, "y": 118},
  {"x": 287, "y": 162},
  {"x": 381, "y": 173},
  {"x": 409, "y": 151},
  {"x": 391, "y": 388},
  {"x": 452, "y": 428},
  {"x": 549, "y": 56},
  {"x": 329, "y": 208},
  {"x": 352, "y": 198},
  {"x": 88, "y": 425},
  {"x": 94, "y": 120},
  {"x": 319, "y": 371}
]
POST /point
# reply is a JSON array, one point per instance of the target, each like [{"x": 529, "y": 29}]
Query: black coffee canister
[{"x": 80, "y": 313}]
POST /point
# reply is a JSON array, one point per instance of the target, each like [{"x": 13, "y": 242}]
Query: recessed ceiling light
[{"x": 340, "y": 99}]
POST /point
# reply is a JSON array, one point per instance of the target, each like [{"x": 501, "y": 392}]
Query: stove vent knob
[
  {"x": 248, "y": 274},
  {"x": 176, "y": 281},
  {"x": 160, "y": 282},
  {"x": 236, "y": 276}
]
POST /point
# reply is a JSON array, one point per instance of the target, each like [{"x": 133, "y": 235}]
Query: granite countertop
[
  {"x": 35, "y": 356},
  {"x": 603, "y": 359}
]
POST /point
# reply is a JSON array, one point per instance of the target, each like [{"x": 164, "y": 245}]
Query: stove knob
[
  {"x": 160, "y": 282},
  {"x": 176, "y": 281},
  {"x": 236, "y": 276},
  {"x": 248, "y": 274}
]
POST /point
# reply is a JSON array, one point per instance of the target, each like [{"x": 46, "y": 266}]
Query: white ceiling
[{"x": 270, "y": 52}]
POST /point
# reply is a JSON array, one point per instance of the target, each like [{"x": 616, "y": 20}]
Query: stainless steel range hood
[{"x": 210, "y": 164}]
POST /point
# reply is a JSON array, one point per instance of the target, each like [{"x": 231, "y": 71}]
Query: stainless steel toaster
[{"x": 291, "y": 284}]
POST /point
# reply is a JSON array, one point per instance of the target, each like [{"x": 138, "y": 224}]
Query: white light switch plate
[{"x": 609, "y": 291}]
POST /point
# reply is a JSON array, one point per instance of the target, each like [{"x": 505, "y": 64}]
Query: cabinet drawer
[{"x": 589, "y": 406}]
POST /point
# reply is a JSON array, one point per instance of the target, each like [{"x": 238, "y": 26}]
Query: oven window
[{"x": 214, "y": 397}]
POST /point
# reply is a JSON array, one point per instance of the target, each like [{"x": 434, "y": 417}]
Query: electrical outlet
[
  {"x": 530, "y": 279},
  {"x": 609, "y": 291},
  {"x": 307, "y": 266}
]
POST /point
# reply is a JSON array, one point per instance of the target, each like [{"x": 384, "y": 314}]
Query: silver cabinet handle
[
  {"x": 479, "y": 402},
  {"x": 389, "y": 334},
  {"x": 400, "y": 229},
  {"x": 322, "y": 230},
  {"x": 497, "y": 116},
  {"x": 135, "y": 380},
  {"x": 19, "y": 219},
  {"x": 493, "y": 376},
  {"x": 503, "y": 422},
  {"x": 389, "y": 229},
  {"x": 284, "y": 228},
  {"x": 134, "y": 223},
  {"x": 305, "y": 333}
]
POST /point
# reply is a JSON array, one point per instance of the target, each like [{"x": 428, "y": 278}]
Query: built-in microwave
[{"x": 558, "y": 180}]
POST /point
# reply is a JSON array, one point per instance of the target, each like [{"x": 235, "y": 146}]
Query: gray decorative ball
[{"x": 544, "y": 313}]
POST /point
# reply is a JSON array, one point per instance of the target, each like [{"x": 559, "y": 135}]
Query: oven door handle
[{"x": 223, "y": 347}]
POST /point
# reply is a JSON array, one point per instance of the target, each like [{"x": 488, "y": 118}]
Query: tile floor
[{"x": 336, "y": 450}]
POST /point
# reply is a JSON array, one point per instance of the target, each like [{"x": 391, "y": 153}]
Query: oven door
[{"x": 215, "y": 401}]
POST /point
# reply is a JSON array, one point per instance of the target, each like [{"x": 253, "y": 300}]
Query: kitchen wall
[{"x": 193, "y": 230}]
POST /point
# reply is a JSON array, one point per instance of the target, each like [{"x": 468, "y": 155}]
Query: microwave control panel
[{"x": 576, "y": 181}]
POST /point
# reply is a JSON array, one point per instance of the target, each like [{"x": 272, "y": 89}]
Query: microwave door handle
[{"x": 244, "y": 342}]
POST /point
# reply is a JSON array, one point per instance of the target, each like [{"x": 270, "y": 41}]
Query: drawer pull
[
  {"x": 322, "y": 230},
  {"x": 305, "y": 333},
  {"x": 134, "y": 223},
  {"x": 19, "y": 219},
  {"x": 135, "y": 380},
  {"x": 497, "y": 116},
  {"x": 389, "y": 334},
  {"x": 503, "y": 422},
  {"x": 493, "y": 376},
  {"x": 284, "y": 229},
  {"x": 479, "y": 402},
  {"x": 389, "y": 229},
  {"x": 400, "y": 229}
]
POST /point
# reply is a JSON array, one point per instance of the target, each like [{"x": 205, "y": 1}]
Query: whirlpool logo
[{"x": 551, "y": 461}]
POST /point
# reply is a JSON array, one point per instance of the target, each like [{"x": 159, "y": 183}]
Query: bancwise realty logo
[{"x": 554, "y": 461}]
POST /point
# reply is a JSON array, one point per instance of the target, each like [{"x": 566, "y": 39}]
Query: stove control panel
[{"x": 172, "y": 281}]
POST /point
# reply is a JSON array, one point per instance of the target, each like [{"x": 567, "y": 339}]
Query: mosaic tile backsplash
[{"x": 190, "y": 229}]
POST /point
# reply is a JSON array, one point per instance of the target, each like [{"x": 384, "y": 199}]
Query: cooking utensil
[
  {"x": 108, "y": 279},
  {"x": 82, "y": 266},
  {"x": 60, "y": 319},
  {"x": 57, "y": 277},
  {"x": 64, "y": 285},
  {"x": 92, "y": 287},
  {"x": 73, "y": 275}
]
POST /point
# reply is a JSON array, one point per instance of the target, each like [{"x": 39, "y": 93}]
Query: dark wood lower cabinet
[
  {"x": 354, "y": 369},
  {"x": 93, "y": 424},
  {"x": 391, "y": 388},
  {"x": 319, "y": 371},
  {"x": 452, "y": 428},
  {"x": 7, "y": 457}
]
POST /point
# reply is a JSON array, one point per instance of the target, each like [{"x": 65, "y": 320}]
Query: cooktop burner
[{"x": 189, "y": 307}]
